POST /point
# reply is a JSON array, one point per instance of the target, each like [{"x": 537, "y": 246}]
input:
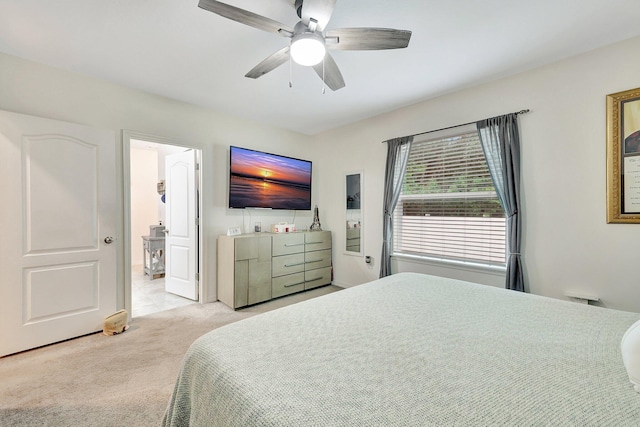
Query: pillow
[{"x": 631, "y": 354}]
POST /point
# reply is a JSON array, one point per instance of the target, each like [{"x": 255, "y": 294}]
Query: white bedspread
[{"x": 412, "y": 350}]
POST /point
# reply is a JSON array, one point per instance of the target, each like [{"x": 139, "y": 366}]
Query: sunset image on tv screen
[{"x": 264, "y": 180}]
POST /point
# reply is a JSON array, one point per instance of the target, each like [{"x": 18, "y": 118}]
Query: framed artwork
[{"x": 623, "y": 157}]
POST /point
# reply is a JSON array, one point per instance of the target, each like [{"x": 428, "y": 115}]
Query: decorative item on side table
[
  {"x": 316, "y": 221},
  {"x": 160, "y": 187}
]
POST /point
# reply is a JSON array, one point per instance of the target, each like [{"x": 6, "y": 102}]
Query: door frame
[{"x": 127, "y": 136}]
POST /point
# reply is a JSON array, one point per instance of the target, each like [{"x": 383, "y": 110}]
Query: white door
[
  {"x": 181, "y": 244},
  {"x": 57, "y": 273}
]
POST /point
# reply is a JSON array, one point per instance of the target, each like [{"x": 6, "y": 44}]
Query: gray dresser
[{"x": 257, "y": 267}]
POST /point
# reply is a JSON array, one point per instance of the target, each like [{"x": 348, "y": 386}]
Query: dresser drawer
[
  {"x": 317, "y": 259},
  {"x": 289, "y": 243},
  {"x": 315, "y": 278},
  {"x": 317, "y": 240},
  {"x": 285, "y": 285},
  {"x": 287, "y": 264},
  {"x": 259, "y": 293},
  {"x": 253, "y": 247}
]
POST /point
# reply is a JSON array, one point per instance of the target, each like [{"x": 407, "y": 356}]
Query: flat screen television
[{"x": 264, "y": 180}]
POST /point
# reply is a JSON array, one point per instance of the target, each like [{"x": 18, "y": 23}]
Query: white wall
[
  {"x": 30, "y": 88},
  {"x": 567, "y": 243},
  {"x": 144, "y": 198}
]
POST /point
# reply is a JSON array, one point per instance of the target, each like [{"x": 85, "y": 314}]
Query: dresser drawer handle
[
  {"x": 293, "y": 265},
  {"x": 287, "y": 245},
  {"x": 294, "y": 284},
  {"x": 314, "y": 260},
  {"x": 317, "y": 278},
  {"x": 314, "y": 243}
]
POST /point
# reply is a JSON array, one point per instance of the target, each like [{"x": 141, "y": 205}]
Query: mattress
[{"x": 412, "y": 350}]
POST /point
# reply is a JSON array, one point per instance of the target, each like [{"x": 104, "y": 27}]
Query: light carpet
[{"x": 120, "y": 380}]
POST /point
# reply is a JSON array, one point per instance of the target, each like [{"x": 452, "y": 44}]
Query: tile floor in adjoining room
[{"x": 148, "y": 296}]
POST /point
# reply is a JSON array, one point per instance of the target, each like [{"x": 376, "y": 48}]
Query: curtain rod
[{"x": 456, "y": 126}]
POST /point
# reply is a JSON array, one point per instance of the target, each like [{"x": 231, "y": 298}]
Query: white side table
[{"x": 153, "y": 256}]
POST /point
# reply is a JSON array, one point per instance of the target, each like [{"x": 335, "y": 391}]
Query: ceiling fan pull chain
[
  {"x": 323, "y": 86},
  {"x": 290, "y": 73}
]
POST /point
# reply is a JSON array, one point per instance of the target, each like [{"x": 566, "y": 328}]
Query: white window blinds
[{"x": 448, "y": 208}]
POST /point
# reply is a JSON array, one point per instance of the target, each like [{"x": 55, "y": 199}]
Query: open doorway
[{"x": 154, "y": 271}]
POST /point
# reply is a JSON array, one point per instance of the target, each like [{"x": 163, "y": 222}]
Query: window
[{"x": 448, "y": 208}]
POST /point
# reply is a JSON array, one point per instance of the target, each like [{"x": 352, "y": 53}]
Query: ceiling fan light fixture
[{"x": 307, "y": 49}]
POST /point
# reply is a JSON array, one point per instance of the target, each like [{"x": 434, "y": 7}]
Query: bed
[{"x": 412, "y": 350}]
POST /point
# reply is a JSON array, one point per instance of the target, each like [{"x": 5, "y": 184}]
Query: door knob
[
  {"x": 108, "y": 240},
  {"x": 166, "y": 231}
]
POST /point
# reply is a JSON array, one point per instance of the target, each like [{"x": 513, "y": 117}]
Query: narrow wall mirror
[{"x": 354, "y": 219}]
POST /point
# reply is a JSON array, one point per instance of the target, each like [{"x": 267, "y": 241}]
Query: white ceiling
[{"x": 175, "y": 49}]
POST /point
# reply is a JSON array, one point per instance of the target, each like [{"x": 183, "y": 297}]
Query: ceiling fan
[{"x": 309, "y": 38}]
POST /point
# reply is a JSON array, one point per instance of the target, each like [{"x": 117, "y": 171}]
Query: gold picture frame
[{"x": 623, "y": 157}]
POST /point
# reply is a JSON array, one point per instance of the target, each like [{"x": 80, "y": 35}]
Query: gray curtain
[
  {"x": 501, "y": 145},
  {"x": 397, "y": 155}
]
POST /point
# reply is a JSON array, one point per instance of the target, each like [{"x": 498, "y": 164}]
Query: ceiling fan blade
[
  {"x": 332, "y": 75},
  {"x": 367, "y": 38},
  {"x": 269, "y": 64},
  {"x": 245, "y": 17},
  {"x": 319, "y": 10}
]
